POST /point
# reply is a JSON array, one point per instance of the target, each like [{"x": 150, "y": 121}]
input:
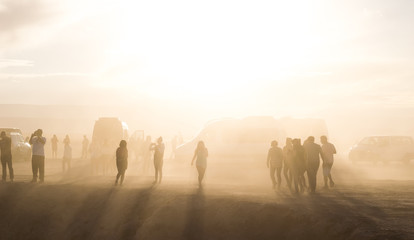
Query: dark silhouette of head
[
  {"x": 39, "y": 132},
  {"x": 273, "y": 143},
  {"x": 311, "y": 139},
  {"x": 296, "y": 142},
  {"x": 123, "y": 144},
  {"x": 324, "y": 139},
  {"x": 200, "y": 145}
]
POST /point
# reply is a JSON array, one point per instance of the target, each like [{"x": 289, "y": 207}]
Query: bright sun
[{"x": 214, "y": 47}]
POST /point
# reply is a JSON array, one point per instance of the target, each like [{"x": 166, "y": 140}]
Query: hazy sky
[{"x": 224, "y": 57}]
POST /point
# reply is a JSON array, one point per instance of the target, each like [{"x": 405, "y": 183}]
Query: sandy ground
[{"x": 232, "y": 204}]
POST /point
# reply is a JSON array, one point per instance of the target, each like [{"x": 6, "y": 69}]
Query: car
[
  {"x": 383, "y": 149},
  {"x": 11, "y": 130},
  {"x": 21, "y": 150}
]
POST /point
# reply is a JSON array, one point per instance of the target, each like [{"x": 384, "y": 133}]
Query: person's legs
[
  {"x": 312, "y": 171},
  {"x": 41, "y": 168},
  {"x": 117, "y": 177},
  {"x": 122, "y": 176},
  {"x": 279, "y": 176},
  {"x": 272, "y": 175},
  {"x": 288, "y": 175},
  {"x": 160, "y": 170},
  {"x": 156, "y": 170},
  {"x": 34, "y": 168},
  {"x": 3, "y": 165},
  {"x": 10, "y": 165},
  {"x": 325, "y": 171},
  {"x": 201, "y": 171}
]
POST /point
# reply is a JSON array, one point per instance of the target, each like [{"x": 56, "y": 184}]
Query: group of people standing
[
  {"x": 296, "y": 159},
  {"x": 201, "y": 154}
]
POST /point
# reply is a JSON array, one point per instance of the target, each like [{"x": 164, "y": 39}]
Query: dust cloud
[{"x": 236, "y": 199}]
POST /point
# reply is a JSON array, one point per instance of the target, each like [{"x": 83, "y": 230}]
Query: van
[
  {"x": 109, "y": 131},
  {"x": 249, "y": 138}
]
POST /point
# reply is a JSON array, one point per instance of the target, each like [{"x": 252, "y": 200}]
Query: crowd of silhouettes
[
  {"x": 296, "y": 159},
  {"x": 293, "y": 161}
]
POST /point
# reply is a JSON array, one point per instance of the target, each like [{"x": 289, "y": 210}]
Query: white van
[
  {"x": 109, "y": 132},
  {"x": 249, "y": 138}
]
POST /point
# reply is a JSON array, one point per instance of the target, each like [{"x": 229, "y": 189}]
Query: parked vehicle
[
  {"x": 11, "y": 130},
  {"x": 109, "y": 130},
  {"x": 21, "y": 150},
  {"x": 249, "y": 138},
  {"x": 383, "y": 149}
]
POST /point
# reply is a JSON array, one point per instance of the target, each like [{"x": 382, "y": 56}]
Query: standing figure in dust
[
  {"x": 67, "y": 155},
  {"x": 298, "y": 166},
  {"x": 121, "y": 161},
  {"x": 312, "y": 153},
  {"x": 275, "y": 163},
  {"x": 54, "y": 142},
  {"x": 85, "y": 145},
  {"x": 201, "y": 153},
  {"x": 38, "y": 155},
  {"x": 328, "y": 150},
  {"x": 287, "y": 157},
  {"x": 6, "y": 156},
  {"x": 158, "y": 148}
]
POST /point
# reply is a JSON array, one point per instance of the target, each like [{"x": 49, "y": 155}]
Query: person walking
[
  {"x": 287, "y": 157},
  {"x": 298, "y": 165},
  {"x": 328, "y": 151},
  {"x": 313, "y": 152},
  {"x": 67, "y": 155},
  {"x": 85, "y": 147},
  {"x": 54, "y": 142},
  {"x": 38, "y": 155},
  {"x": 6, "y": 156},
  {"x": 121, "y": 161},
  {"x": 201, "y": 154},
  {"x": 275, "y": 163},
  {"x": 158, "y": 148}
]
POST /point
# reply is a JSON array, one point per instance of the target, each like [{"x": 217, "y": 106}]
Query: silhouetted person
[
  {"x": 38, "y": 155},
  {"x": 6, "y": 156},
  {"x": 174, "y": 141},
  {"x": 67, "y": 155},
  {"x": 298, "y": 165},
  {"x": 275, "y": 163},
  {"x": 328, "y": 150},
  {"x": 66, "y": 140},
  {"x": 201, "y": 154},
  {"x": 158, "y": 148},
  {"x": 288, "y": 156},
  {"x": 313, "y": 152},
  {"x": 85, "y": 146},
  {"x": 121, "y": 161},
  {"x": 54, "y": 142}
]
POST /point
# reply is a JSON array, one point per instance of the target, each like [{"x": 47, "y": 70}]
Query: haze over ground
[{"x": 349, "y": 63}]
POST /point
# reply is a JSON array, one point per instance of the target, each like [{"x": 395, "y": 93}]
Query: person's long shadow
[
  {"x": 138, "y": 213},
  {"x": 194, "y": 227}
]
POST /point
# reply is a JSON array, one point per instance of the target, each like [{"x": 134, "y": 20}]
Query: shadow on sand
[{"x": 194, "y": 227}]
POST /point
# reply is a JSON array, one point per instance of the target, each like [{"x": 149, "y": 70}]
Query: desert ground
[{"x": 236, "y": 202}]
